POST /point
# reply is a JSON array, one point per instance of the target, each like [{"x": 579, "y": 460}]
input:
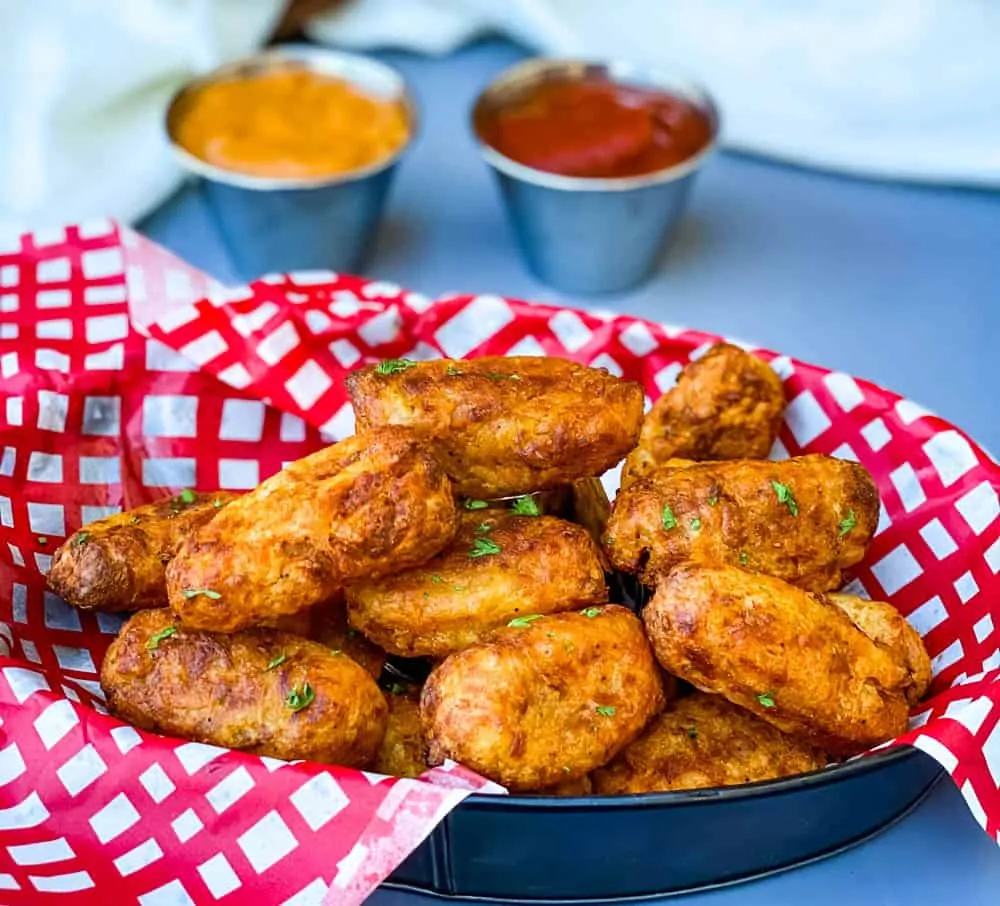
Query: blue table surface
[{"x": 899, "y": 284}]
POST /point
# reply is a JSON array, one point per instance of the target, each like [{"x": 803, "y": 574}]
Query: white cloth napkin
[{"x": 887, "y": 88}]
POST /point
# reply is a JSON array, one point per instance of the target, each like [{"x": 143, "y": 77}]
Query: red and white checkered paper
[{"x": 126, "y": 375}]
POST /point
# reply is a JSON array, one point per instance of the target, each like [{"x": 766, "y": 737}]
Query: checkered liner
[{"x": 126, "y": 376}]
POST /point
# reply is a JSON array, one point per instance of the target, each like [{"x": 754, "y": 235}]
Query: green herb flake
[
  {"x": 135, "y": 520},
  {"x": 437, "y": 579},
  {"x": 276, "y": 662},
  {"x": 693, "y": 732},
  {"x": 609, "y": 541},
  {"x": 499, "y": 376},
  {"x": 847, "y": 524},
  {"x": 397, "y": 689},
  {"x": 744, "y": 558},
  {"x": 483, "y": 547},
  {"x": 336, "y": 652},
  {"x": 786, "y": 497},
  {"x": 526, "y": 620},
  {"x": 475, "y": 504},
  {"x": 526, "y": 506},
  {"x": 483, "y": 528},
  {"x": 217, "y": 504},
  {"x": 567, "y": 769},
  {"x": 459, "y": 587},
  {"x": 668, "y": 518},
  {"x": 300, "y": 698},
  {"x": 713, "y": 500},
  {"x": 605, "y": 710},
  {"x": 766, "y": 699},
  {"x": 591, "y": 612},
  {"x": 207, "y": 592},
  {"x": 43, "y": 541},
  {"x": 154, "y": 640},
  {"x": 452, "y": 370},
  {"x": 394, "y": 366},
  {"x": 696, "y": 524},
  {"x": 82, "y": 539}
]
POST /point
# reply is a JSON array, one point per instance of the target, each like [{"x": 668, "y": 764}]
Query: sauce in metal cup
[
  {"x": 283, "y": 202},
  {"x": 584, "y": 233}
]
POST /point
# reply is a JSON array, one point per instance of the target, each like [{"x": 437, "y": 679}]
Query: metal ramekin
[
  {"x": 285, "y": 224},
  {"x": 592, "y": 235}
]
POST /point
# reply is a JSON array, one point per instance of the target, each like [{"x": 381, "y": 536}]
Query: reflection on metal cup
[
  {"x": 592, "y": 235},
  {"x": 279, "y": 224}
]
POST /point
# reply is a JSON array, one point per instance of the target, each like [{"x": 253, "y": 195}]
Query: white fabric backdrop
[{"x": 887, "y": 88}]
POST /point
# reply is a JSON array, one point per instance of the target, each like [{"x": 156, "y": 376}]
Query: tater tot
[
  {"x": 505, "y": 425},
  {"x": 500, "y": 566},
  {"x": 119, "y": 563},
  {"x": 791, "y": 657},
  {"x": 726, "y": 405},
  {"x": 402, "y": 751},
  {"x": 805, "y": 520},
  {"x": 265, "y": 692},
  {"x": 363, "y": 508},
  {"x": 705, "y": 741},
  {"x": 328, "y": 626},
  {"x": 546, "y": 700}
]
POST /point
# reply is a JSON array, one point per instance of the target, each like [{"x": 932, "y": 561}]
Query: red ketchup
[{"x": 596, "y": 129}]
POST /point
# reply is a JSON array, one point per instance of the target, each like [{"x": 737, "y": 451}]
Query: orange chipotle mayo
[{"x": 290, "y": 123}]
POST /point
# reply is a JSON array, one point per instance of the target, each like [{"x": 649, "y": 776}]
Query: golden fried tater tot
[
  {"x": 704, "y": 741},
  {"x": 805, "y": 520},
  {"x": 402, "y": 751},
  {"x": 328, "y": 626},
  {"x": 888, "y": 629},
  {"x": 726, "y": 405},
  {"x": 790, "y": 657},
  {"x": 545, "y": 701},
  {"x": 500, "y": 566},
  {"x": 504, "y": 426},
  {"x": 363, "y": 508},
  {"x": 119, "y": 562},
  {"x": 264, "y": 692}
]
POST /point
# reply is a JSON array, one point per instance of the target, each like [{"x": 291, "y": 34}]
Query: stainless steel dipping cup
[
  {"x": 275, "y": 225},
  {"x": 586, "y": 235}
]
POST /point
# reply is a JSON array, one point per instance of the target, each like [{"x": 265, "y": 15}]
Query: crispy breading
[
  {"x": 888, "y": 629},
  {"x": 402, "y": 751},
  {"x": 705, "y": 741},
  {"x": 118, "y": 563},
  {"x": 363, "y": 508},
  {"x": 791, "y": 657},
  {"x": 266, "y": 692},
  {"x": 727, "y": 404},
  {"x": 544, "y": 701},
  {"x": 500, "y": 566},
  {"x": 806, "y": 519},
  {"x": 504, "y": 426},
  {"x": 328, "y": 625}
]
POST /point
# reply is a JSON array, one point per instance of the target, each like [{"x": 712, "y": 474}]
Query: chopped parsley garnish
[
  {"x": 713, "y": 500},
  {"x": 300, "y": 698},
  {"x": 693, "y": 732},
  {"x": 610, "y": 541},
  {"x": 336, "y": 652},
  {"x": 397, "y": 689},
  {"x": 526, "y": 620},
  {"x": 187, "y": 496},
  {"x": 459, "y": 587},
  {"x": 436, "y": 579},
  {"x": 394, "y": 366},
  {"x": 605, "y": 710},
  {"x": 499, "y": 376},
  {"x": 744, "y": 558},
  {"x": 766, "y": 699},
  {"x": 207, "y": 592},
  {"x": 217, "y": 504},
  {"x": 276, "y": 662},
  {"x": 785, "y": 496},
  {"x": 475, "y": 504},
  {"x": 669, "y": 520},
  {"x": 483, "y": 528},
  {"x": 135, "y": 520},
  {"x": 483, "y": 547},
  {"x": 43, "y": 541},
  {"x": 452, "y": 370},
  {"x": 82, "y": 538},
  {"x": 847, "y": 524},
  {"x": 591, "y": 612},
  {"x": 526, "y": 506},
  {"x": 696, "y": 524},
  {"x": 154, "y": 640}
]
